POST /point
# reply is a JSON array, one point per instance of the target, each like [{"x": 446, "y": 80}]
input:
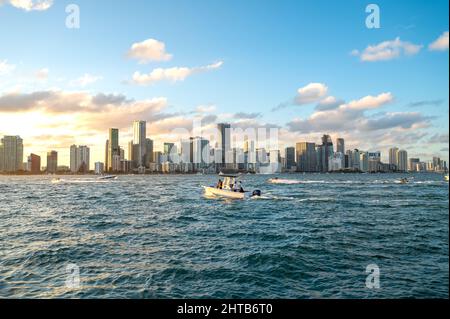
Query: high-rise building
[
  {"x": 99, "y": 168},
  {"x": 2, "y": 157},
  {"x": 200, "y": 151},
  {"x": 364, "y": 161},
  {"x": 148, "y": 152},
  {"x": 224, "y": 141},
  {"x": 413, "y": 164},
  {"x": 11, "y": 154},
  {"x": 393, "y": 156},
  {"x": 139, "y": 138},
  {"x": 340, "y": 145},
  {"x": 34, "y": 164},
  {"x": 336, "y": 162},
  {"x": 113, "y": 147},
  {"x": 402, "y": 164},
  {"x": 52, "y": 162},
  {"x": 157, "y": 157},
  {"x": 356, "y": 159},
  {"x": 290, "y": 157},
  {"x": 306, "y": 157},
  {"x": 79, "y": 159},
  {"x": 106, "y": 155},
  {"x": 186, "y": 151},
  {"x": 325, "y": 152}
]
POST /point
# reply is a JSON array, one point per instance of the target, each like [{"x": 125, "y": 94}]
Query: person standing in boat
[
  {"x": 241, "y": 189},
  {"x": 219, "y": 184}
]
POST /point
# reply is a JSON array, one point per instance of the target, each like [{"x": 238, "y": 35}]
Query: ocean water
[{"x": 157, "y": 236}]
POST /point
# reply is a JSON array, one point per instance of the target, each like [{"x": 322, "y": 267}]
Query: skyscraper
[
  {"x": 224, "y": 140},
  {"x": 34, "y": 163},
  {"x": 290, "y": 157},
  {"x": 79, "y": 159},
  {"x": 393, "y": 156},
  {"x": 52, "y": 162},
  {"x": 402, "y": 164},
  {"x": 148, "y": 152},
  {"x": 325, "y": 152},
  {"x": 200, "y": 151},
  {"x": 11, "y": 153},
  {"x": 412, "y": 164},
  {"x": 340, "y": 145},
  {"x": 113, "y": 147},
  {"x": 139, "y": 138},
  {"x": 306, "y": 157}
]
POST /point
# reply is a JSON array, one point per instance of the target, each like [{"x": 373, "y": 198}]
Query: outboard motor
[{"x": 256, "y": 192}]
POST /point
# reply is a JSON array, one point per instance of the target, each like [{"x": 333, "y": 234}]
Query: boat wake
[{"x": 283, "y": 181}]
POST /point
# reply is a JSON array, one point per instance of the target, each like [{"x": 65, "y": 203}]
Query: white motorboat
[
  {"x": 56, "y": 180},
  {"x": 105, "y": 177},
  {"x": 446, "y": 178},
  {"x": 229, "y": 188},
  {"x": 277, "y": 180}
]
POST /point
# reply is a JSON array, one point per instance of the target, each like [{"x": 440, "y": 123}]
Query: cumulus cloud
[
  {"x": 174, "y": 74},
  {"x": 78, "y": 102},
  {"x": 387, "y": 50},
  {"x": 440, "y": 44},
  {"x": 6, "y": 68},
  {"x": 369, "y": 102},
  {"x": 329, "y": 103},
  {"x": 404, "y": 120},
  {"x": 30, "y": 5},
  {"x": 310, "y": 93},
  {"x": 148, "y": 51},
  {"x": 205, "y": 108},
  {"x": 346, "y": 117}
]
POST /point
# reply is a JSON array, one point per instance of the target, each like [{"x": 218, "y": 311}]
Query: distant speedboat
[
  {"x": 56, "y": 180},
  {"x": 404, "y": 180},
  {"x": 228, "y": 188},
  {"x": 446, "y": 178},
  {"x": 277, "y": 180},
  {"x": 105, "y": 177}
]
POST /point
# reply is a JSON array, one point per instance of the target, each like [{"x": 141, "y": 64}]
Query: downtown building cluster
[{"x": 198, "y": 154}]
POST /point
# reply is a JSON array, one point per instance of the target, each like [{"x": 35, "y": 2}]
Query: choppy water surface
[{"x": 158, "y": 237}]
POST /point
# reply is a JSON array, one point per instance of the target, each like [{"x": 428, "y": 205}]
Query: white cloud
[
  {"x": 387, "y": 50},
  {"x": 440, "y": 44},
  {"x": 6, "y": 68},
  {"x": 369, "y": 102},
  {"x": 30, "y": 5},
  {"x": 205, "y": 108},
  {"x": 149, "y": 50},
  {"x": 174, "y": 74},
  {"x": 86, "y": 80},
  {"x": 42, "y": 74},
  {"x": 329, "y": 103},
  {"x": 310, "y": 93},
  {"x": 346, "y": 117}
]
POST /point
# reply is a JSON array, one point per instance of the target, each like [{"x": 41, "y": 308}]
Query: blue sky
[{"x": 269, "y": 50}]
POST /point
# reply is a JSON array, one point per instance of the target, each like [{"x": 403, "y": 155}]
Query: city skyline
[
  {"x": 376, "y": 89},
  {"x": 229, "y": 148}
]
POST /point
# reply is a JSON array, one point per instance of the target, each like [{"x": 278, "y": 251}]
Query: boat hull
[{"x": 212, "y": 191}]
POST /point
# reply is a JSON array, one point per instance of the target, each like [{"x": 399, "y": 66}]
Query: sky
[{"x": 307, "y": 68}]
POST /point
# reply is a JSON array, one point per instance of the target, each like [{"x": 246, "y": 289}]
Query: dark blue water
[{"x": 158, "y": 237}]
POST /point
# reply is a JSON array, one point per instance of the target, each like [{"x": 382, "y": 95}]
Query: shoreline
[{"x": 243, "y": 173}]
